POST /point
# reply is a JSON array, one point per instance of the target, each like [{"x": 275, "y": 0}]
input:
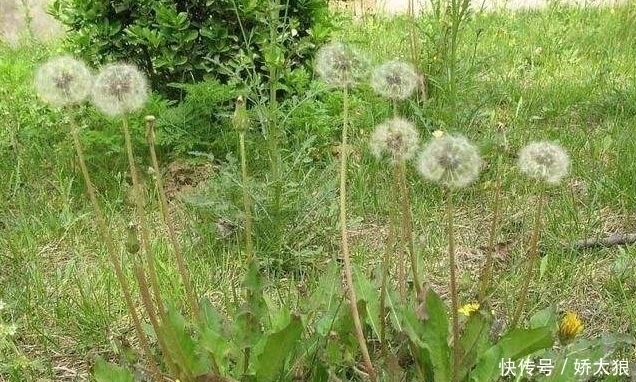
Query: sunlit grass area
[{"x": 560, "y": 74}]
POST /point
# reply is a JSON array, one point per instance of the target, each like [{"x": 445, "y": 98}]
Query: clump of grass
[
  {"x": 453, "y": 162},
  {"x": 548, "y": 163},
  {"x": 341, "y": 66}
]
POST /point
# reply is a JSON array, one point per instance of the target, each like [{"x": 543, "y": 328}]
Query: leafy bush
[{"x": 189, "y": 40}]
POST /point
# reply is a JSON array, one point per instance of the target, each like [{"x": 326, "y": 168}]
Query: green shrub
[{"x": 189, "y": 40}]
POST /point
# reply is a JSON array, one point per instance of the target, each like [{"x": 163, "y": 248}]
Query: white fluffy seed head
[
  {"x": 119, "y": 89},
  {"x": 546, "y": 161},
  {"x": 395, "y": 80},
  {"x": 341, "y": 65},
  {"x": 451, "y": 161},
  {"x": 396, "y": 137},
  {"x": 63, "y": 81}
]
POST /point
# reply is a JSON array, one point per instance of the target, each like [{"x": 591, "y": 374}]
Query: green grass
[{"x": 561, "y": 74}]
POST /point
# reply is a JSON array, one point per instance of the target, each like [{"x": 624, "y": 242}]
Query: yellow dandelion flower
[
  {"x": 467, "y": 309},
  {"x": 570, "y": 326}
]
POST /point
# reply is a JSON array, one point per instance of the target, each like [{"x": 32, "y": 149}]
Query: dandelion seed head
[
  {"x": 395, "y": 80},
  {"x": 396, "y": 137},
  {"x": 119, "y": 88},
  {"x": 63, "y": 81},
  {"x": 340, "y": 65},
  {"x": 545, "y": 161},
  {"x": 451, "y": 161}
]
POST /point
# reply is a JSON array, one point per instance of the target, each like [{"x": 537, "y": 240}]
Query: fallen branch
[{"x": 614, "y": 239}]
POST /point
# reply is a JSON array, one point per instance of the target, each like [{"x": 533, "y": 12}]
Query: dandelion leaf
[
  {"x": 107, "y": 372},
  {"x": 513, "y": 345},
  {"x": 475, "y": 340},
  {"x": 278, "y": 347},
  {"x": 430, "y": 337}
]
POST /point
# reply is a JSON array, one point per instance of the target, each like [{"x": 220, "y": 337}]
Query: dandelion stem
[
  {"x": 453, "y": 286},
  {"x": 146, "y": 300},
  {"x": 386, "y": 264},
  {"x": 486, "y": 274},
  {"x": 112, "y": 253},
  {"x": 143, "y": 222},
  {"x": 163, "y": 202},
  {"x": 344, "y": 151},
  {"x": 247, "y": 205},
  {"x": 398, "y": 200},
  {"x": 531, "y": 262},
  {"x": 407, "y": 225}
]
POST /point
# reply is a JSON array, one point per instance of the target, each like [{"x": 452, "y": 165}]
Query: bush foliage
[{"x": 191, "y": 40}]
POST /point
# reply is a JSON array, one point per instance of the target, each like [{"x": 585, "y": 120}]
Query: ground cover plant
[{"x": 415, "y": 217}]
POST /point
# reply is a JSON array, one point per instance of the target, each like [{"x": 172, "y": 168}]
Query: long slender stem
[
  {"x": 407, "y": 226},
  {"x": 247, "y": 205},
  {"x": 453, "y": 285},
  {"x": 386, "y": 265},
  {"x": 486, "y": 274},
  {"x": 531, "y": 262},
  {"x": 163, "y": 202},
  {"x": 274, "y": 130},
  {"x": 112, "y": 254},
  {"x": 146, "y": 300},
  {"x": 344, "y": 151},
  {"x": 143, "y": 222},
  {"x": 401, "y": 230}
]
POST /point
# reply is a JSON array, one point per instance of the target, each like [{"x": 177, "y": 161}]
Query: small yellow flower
[
  {"x": 467, "y": 309},
  {"x": 570, "y": 326}
]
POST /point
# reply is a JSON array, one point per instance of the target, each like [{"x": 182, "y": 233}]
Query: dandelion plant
[
  {"x": 118, "y": 90},
  {"x": 66, "y": 82},
  {"x": 548, "y": 163},
  {"x": 341, "y": 66},
  {"x": 397, "y": 81},
  {"x": 240, "y": 122},
  {"x": 453, "y": 162}
]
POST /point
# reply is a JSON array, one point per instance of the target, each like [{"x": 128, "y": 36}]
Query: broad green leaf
[
  {"x": 474, "y": 340},
  {"x": 182, "y": 346},
  {"x": 519, "y": 343},
  {"x": 107, "y": 372},
  {"x": 369, "y": 293},
  {"x": 487, "y": 368},
  {"x": 430, "y": 336},
  {"x": 514, "y": 345},
  {"x": 278, "y": 348},
  {"x": 247, "y": 329},
  {"x": 583, "y": 349},
  {"x": 544, "y": 317}
]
